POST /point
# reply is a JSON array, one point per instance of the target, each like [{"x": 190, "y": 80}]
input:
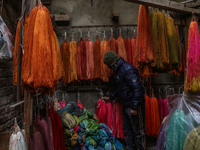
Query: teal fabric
[
  {"x": 73, "y": 109},
  {"x": 176, "y": 132}
]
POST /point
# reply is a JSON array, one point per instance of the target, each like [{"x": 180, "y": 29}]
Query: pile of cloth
[{"x": 83, "y": 131}]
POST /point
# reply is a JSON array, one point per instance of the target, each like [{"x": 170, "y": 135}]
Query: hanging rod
[{"x": 99, "y": 26}]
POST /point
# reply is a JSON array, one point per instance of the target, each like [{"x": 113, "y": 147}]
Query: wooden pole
[
  {"x": 20, "y": 52},
  {"x": 28, "y": 108}
]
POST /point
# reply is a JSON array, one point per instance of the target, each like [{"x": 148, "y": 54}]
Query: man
[{"x": 130, "y": 91}]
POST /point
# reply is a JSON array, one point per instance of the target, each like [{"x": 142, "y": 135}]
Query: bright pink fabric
[
  {"x": 79, "y": 103},
  {"x": 166, "y": 107},
  {"x": 117, "y": 107},
  {"x": 193, "y": 69},
  {"x": 111, "y": 118},
  {"x": 110, "y": 114},
  {"x": 101, "y": 111},
  {"x": 161, "y": 108},
  {"x": 62, "y": 103}
]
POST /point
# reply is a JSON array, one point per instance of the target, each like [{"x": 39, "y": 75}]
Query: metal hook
[
  {"x": 120, "y": 31},
  {"x": 62, "y": 95},
  {"x": 65, "y": 35},
  {"x": 88, "y": 33},
  {"x": 134, "y": 31},
  {"x": 127, "y": 30},
  {"x": 181, "y": 88},
  {"x": 81, "y": 33},
  {"x": 78, "y": 95},
  {"x": 111, "y": 32},
  {"x": 73, "y": 34},
  {"x": 160, "y": 91}
]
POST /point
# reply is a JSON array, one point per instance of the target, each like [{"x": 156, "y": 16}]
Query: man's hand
[
  {"x": 106, "y": 99},
  {"x": 133, "y": 112}
]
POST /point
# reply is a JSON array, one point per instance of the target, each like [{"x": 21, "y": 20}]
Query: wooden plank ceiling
[{"x": 167, "y": 5}]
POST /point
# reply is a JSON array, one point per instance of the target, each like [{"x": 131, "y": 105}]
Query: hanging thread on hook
[
  {"x": 81, "y": 33},
  {"x": 134, "y": 31},
  {"x": 127, "y": 30},
  {"x": 120, "y": 31},
  {"x": 111, "y": 32},
  {"x": 88, "y": 33},
  {"x": 65, "y": 35}
]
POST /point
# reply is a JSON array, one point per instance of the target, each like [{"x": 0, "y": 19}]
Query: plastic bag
[
  {"x": 6, "y": 41},
  {"x": 181, "y": 125}
]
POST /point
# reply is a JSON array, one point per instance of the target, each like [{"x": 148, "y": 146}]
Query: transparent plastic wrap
[
  {"x": 6, "y": 41},
  {"x": 181, "y": 128}
]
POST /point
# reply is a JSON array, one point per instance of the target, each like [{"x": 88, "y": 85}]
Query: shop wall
[
  {"x": 8, "y": 97},
  {"x": 10, "y": 14},
  {"x": 83, "y": 13}
]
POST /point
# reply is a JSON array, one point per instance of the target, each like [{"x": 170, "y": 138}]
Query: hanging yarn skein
[
  {"x": 40, "y": 49},
  {"x": 144, "y": 36},
  {"x": 193, "y": 61}
]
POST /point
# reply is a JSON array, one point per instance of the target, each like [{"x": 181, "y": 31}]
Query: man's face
[{"x": 111, "y": 65}]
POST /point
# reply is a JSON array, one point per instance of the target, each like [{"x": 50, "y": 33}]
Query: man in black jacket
[{"x": 130, "y": 91}]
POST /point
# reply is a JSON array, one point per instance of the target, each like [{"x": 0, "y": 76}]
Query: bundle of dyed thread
[
  {"x": 192, "y": 82},
  {"x": 165, "y": 43},
  {"x": 41, "y": 57},
  {"x": 144, "y": 51},
  {"x": 82, "y": 129}
]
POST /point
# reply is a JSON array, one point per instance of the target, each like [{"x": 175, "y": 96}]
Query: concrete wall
[{"x": 100, "y": 13}]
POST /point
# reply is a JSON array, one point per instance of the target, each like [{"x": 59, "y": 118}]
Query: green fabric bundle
[
  {"x": 192, "y": 141},
  {"x": 154, "y": 21},
  {"x": 166, "y": 46},
  {"x": 173, "y": 42}
]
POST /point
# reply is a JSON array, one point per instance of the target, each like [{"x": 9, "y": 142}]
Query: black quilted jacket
[{"x": 129, "y": 88}]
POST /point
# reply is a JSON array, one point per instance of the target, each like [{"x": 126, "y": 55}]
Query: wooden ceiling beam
[
  {"x": 193, "y": 5},
  {"x": 167, "y": 5}
]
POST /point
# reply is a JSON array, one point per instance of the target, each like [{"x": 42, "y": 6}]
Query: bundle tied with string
[
  {"x": 193, "y": 59},
  {"x": 39, "y": 62}
]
